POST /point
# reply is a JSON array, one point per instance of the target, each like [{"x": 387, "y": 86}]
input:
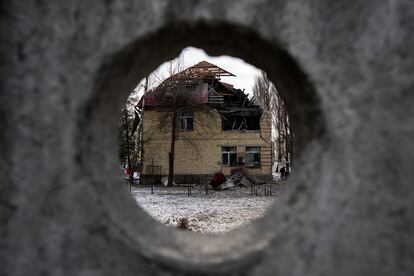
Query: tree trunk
[
  {"x": 128, "y": 142},
  {"x": 286, "y": 131},
  {"x": 279, "y": 129},
  {"x": 141, "y": 130},
  {"x": 171, "y": 154}
]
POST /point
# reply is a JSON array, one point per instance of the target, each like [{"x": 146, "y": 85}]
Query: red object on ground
[
  {"x": 127, "y": 171},
  {"x": 217, "y": 179}
]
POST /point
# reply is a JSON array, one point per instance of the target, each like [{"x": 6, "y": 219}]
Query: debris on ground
[
  {"x": 258, "y": 181},
  {"x": 226, "y": 185},
  {"x": 245, "y": 182},
  {"x": 183, "y": 224},
  {"x": 238, "y": 178}
]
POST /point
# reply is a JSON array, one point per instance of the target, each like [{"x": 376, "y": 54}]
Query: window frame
[
  {"x": 230, "y": 152},
  {"x": 185, "y": 118},
  {"x": 252, "y": 151}
]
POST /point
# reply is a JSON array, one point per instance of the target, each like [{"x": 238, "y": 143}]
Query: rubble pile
[
  {"x": 217, "y": 179},
  {"x": 238, "y": 178}
]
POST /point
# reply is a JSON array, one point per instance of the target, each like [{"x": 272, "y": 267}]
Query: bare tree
[
  {"x": 269, "y": 98},
  {"x": 179, "y": 93},
  {"x": 176, "y": 97},
  {"x": 127, "y": 146},
  {"x": 130, "y": 132}
]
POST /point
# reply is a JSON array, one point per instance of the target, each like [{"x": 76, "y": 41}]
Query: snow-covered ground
[{"x": 215, "y": 212}]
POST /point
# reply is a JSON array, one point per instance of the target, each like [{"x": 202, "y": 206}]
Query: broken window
[
  {"x": 246, "y": 122},
  {"x": 229, "y": 156},
  {"x": 253, "y": 157},
  {"x": 186, "y": 121}
]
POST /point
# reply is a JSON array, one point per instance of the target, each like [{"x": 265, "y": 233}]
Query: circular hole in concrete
[
  {"x": 231, "y": 142},
  {"x": 133, "y": 228}
]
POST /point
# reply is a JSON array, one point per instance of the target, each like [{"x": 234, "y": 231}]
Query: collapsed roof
[
  {"x": 201, "y": 70},
  {"x": 202, "y": 84}
]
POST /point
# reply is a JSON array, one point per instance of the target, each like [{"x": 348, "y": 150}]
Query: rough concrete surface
[{"x": 344, "y": 68}]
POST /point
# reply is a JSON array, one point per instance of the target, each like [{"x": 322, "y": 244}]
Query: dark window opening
[
  {"x": 253, "y": 157},
  {"x": 229, "y": 156},
  {"x": 186, "y": 121},
  {"x": 230, "y": 122}
]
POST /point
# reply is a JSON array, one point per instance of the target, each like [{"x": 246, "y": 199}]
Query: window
[
  {"x": 253, "y": 157},
  {"x": 229, "y": 156},
  {"x": 240, "y": 123},
  {"x": 186, "y": 121}
]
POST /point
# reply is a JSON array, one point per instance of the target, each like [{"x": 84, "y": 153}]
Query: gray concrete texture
[{"x": 344, "y": 68}]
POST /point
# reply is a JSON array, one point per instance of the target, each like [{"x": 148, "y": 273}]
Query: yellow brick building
[
  {"x": 208, "y": 140},
  {"x": 200, "y": 151}
]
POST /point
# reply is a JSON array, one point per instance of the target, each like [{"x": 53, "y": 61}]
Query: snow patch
[{"x": 216, "y": 212}]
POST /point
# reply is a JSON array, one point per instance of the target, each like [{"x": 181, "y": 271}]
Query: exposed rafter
[{"x": 202, "y": 70}]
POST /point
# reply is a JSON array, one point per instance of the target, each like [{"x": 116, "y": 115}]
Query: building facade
[{"x": 224, "y": 130}]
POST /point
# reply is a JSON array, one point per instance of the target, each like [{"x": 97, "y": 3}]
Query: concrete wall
[
  {"x": 199, "y": 151},
  {"x": 344, "y": 69}
]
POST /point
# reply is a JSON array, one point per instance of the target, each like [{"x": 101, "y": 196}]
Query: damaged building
[{"x": 215, "y": 128}]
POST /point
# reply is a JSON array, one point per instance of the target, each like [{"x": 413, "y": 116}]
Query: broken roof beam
[
  {"x": 215, "y": 99},
  {"x": 202, "y": 70},
  {"x": 207, "y": 67}
]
